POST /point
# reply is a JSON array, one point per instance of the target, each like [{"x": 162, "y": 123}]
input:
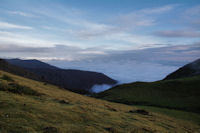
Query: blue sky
[
  {"x": 95, "y": 27},
  {"x": 128, "y": 40}
]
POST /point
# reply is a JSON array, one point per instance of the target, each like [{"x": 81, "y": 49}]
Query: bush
[
  {"x": 7, "y": 78},
  {"x": 18, "y": 89}
]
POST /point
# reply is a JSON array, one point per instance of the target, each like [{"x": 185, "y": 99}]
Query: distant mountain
[
  {"x": 74, "y": 80},
  {"x": 30, "y": 63},
  {"x": 5, "y": 66},
  {"x": 189, "y": 70}
]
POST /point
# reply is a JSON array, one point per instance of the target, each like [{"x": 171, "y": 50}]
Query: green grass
[
  {"x": 194, "y": 117},
  {"x": 181, "y": 94},
  {"x": 16, "y": 88},
  {"x": 61, "y": 111}
]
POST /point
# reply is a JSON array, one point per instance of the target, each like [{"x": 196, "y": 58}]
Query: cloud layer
[{"x": 39, "y": 25}]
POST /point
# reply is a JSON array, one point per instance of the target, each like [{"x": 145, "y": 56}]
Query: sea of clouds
[{"x": 122, "y": 71}]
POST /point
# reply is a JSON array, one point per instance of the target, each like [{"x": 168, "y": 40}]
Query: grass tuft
[
  {"x": 7, "y": 78},
  {"x": 18, "y": 89}
]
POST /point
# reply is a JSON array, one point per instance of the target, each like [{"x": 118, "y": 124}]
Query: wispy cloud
[
  {"x": 20, "y": 13},
  {"x": 178, "y": 33},
  {"x": 123, "y": 23},
  {"x": 58, "y": 52},
  {"x": 158, "y": 10},
  {"x": 90, "y": 29},
  {"x": 192, "y": 16},
  {"x": 143, "y": 17},
  {"x": 78, "y": 27},
  {"x": 6, "y": 25}
]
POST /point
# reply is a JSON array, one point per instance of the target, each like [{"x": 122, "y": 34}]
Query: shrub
[
  {"x": 18, "y": 89},
  {"x": 6, "y": 77}
]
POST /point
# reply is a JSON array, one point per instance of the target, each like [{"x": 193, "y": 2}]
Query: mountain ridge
[
  {"x": 188, "y": 70},
  {"x": 5, "y": 66},
  {"x": 75, "y": 80}
]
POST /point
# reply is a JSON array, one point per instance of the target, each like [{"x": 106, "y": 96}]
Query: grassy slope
[
  {"x": 177, "y": 94},
  {"x": 46, "y": 113},
  {"x": 179, "y": 114}
]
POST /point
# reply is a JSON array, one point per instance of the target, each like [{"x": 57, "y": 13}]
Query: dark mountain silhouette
[
  {"x": 74, "y": 80},
  {"x": 189, "y": 70},
  {"x": 30, "y": 64},
  {"x": 5, "y": 66}
]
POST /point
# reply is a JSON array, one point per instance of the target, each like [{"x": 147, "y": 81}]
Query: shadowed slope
[
  {"x": 180, "y": 94},
  {"x": 74, "y": 80},
  {"x": 191, "y": 69},
  {"x": 5, "y": 66}
]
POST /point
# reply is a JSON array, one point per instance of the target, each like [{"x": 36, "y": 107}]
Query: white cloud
[
  {"x": 21, "y": 13},
  {"x": 120, "y": 24},
  {"x": 6, "y": 25},
  {"x": 125, "y": 65},
  {"x": 143, "y": 17},
  {"x": 57, "y": 52},
  {"x": 158, "y": 10},
  {"x": 23, "y": 39}
]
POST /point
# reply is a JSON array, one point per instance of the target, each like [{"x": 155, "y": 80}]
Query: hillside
[
  {"x": 182, "y": 94},
  {"x": 74, "y": 80},
  {"x": 32, "y": 106},
  {"x": 5, "y": 66},
  {"x": 191, "y": 69}
]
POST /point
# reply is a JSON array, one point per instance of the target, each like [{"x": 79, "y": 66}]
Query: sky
[{"x": 78, "y": 33}]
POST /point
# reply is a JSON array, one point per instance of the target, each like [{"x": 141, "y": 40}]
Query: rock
[
  {"x": 139, "y": 111},
  {"x": 50, "y": 130},
  {"x": 64, "y": 102}
]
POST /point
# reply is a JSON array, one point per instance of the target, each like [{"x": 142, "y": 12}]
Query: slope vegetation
[
  {"x": 189, "y": 70},
  {"x": 182, "y": 94},
  {"x": 32, "y": 106}
]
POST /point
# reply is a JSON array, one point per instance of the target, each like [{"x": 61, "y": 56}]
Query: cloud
[
  {"x": 22, "y": 49},
  {"x": 20, "y": 13},
  {"x": 58, "y": 52},
  {"x": 6, "y": 25},
  {"x": 91, "y": 30},
  {"x": 87, "y": 29},
  {"x": 99, "y": 88},
  {"x": 143, "y": 17},
  {"x": 125, "y": 22},
  {"x": 163, "y": 54},
  {"x": 158, "y": 10},
  {"x": 78, "y": 28},
  {"x": 186, "y": 25},
  {"x": 114, "y": 63},
  {"x": 135, "y": 65},
  {"x": 35, "y": 40},
  {"x": 178, "y": 33},
  {"x": 192, "y": 16}
]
